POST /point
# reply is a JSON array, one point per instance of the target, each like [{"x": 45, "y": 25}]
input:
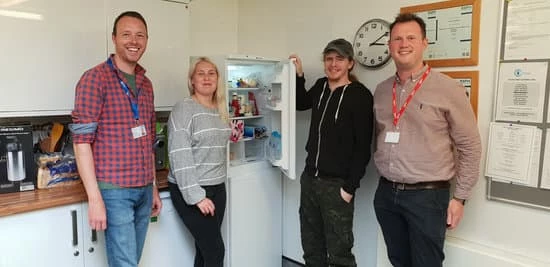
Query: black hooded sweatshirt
[{"x": 340, "y": 132}]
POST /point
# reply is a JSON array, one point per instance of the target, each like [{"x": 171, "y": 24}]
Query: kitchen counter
[{"x": 19, "y": 202}]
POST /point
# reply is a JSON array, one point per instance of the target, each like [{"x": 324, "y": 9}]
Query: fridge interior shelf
[
  {"x": 246, "y": 117},
  {"x": 244, "y": 89},
  {"x": 244, "y": 139},
  {"x": 252, "y": 149},
  {"x": 238, "y": 162},
  {"x": 243, "y": 152}
]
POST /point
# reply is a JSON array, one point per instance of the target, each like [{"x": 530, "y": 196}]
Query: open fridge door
[{"x": 284, "y": 89}]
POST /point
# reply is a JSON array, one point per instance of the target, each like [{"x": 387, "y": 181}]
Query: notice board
[{"x": 518, "y": 153}]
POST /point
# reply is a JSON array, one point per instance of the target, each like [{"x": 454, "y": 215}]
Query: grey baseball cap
[{"x": 340, "y": 46}]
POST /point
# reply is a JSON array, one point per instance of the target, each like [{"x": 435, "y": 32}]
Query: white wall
[
  {"x": 213, "y": 27},
  {"x": 492, "y": 233}
]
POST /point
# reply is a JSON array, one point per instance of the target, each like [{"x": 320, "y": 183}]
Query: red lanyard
[{"x": 397, "y": 115}]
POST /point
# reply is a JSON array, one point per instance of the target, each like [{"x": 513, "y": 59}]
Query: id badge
[
  {"x": 139, "y": 131},
  {"x": 392, "y": 137}
]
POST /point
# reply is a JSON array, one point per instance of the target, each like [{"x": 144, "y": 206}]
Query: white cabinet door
[
  {"x": 51, "y": 43},
  {"x": 50, "y": 237},
  {"x": 166, "y": 58},
  {"x": 93, "y": 243},
  {"x": 48, "y": 45},
  {"x": 168, "y": 242},
  {"x": 254, "y": 212}
]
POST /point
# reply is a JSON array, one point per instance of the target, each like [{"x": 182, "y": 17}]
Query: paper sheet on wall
[
  {"x": 520, "y": 92},
  {"x": 527, "y": 35},
  {"x": 545, "y": 180},
  {"x": 513, "y": 154}
]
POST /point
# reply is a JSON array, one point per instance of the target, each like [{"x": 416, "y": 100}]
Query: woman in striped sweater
[{"x": 198, "y": 132}]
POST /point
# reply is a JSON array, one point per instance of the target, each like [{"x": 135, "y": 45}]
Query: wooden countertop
[{"x": 13, "y": 203}]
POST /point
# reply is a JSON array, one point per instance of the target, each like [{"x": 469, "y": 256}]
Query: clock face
[{"x": 371, "y": 43}]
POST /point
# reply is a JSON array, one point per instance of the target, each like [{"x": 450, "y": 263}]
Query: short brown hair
[
  {"x": 406, "y": 17},
  {"x": 132, "y": 14}
]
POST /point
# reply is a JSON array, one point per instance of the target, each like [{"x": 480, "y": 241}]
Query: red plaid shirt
[{"x": 118, "y": 157}]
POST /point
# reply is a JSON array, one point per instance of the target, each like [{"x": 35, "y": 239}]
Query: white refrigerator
[{"x": 264, "y": 90}]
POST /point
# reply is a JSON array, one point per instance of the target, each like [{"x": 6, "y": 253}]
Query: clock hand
[{"x": 376, "y": 41}]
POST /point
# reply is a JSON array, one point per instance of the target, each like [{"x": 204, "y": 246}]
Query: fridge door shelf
[
  {"x": 276, "y": 163},
  {"x": 277, "y": 107}
]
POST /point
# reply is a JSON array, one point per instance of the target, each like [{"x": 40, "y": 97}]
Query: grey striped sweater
[{"x": 197, "y": 148}]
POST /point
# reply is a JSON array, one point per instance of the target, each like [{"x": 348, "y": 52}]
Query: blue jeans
[
  {"x": 413, "y": 223},
  {"x": 128, "y": 215}
]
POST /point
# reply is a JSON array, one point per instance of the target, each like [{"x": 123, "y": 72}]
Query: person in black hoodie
[{"x": 338, "y": 150}]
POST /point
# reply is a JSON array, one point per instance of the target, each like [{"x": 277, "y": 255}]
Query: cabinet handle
[
  {"x": 75, "y": 228},
  {"x": 94, "y": 235}
]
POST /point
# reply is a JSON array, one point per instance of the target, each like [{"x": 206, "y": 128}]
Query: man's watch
[{"x": 463, "y": 201}]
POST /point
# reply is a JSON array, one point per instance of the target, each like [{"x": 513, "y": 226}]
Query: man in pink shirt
[{"x": 422, "y": 119}]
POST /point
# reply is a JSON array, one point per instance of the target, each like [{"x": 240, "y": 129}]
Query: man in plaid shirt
[{"x": 113, "y": 134}]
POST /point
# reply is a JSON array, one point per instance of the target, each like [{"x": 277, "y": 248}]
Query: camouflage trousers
[{"x": 326, "y": 223}]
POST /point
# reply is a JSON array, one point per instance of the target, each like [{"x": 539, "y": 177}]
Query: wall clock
[{"x": 371, "y": 43}]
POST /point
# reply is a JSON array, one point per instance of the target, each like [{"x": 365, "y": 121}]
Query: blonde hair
[{"x": 219, "y": 95}]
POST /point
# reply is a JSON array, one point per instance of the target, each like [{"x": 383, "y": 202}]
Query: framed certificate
[
  {"x": 468, "y": 79},
  {"x": 452, "y": 30}
]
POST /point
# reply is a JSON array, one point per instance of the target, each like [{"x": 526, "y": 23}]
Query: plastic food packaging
[{"x": 57, "y": 170}]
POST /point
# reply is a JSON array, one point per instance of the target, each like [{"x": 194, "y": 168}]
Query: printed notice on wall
[
  {"x": 527, "y": 35},
  {"x": 513, "y": 154},
  {"x": 545, "y": 182},
  {"x": 520, "y": 92}
]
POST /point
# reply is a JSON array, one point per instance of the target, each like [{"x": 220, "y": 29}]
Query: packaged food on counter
[{"x": 55, "y": 169}]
